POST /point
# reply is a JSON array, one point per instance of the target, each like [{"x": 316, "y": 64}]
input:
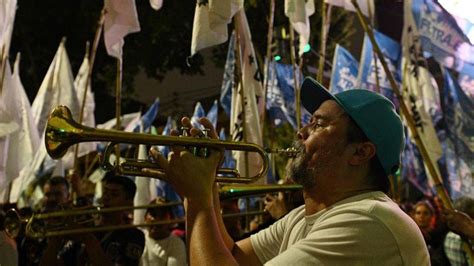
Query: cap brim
[{"x": 313, "y": 94}]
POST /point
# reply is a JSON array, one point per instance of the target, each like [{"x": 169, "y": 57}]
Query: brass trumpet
[
  {"x": 62, "y": 132},
  {"x": 37, "y": 227}
]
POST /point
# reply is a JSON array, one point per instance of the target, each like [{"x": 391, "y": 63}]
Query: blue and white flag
[
  {"x": 458, "y": 111},
  {"x": 150, "y": 116},
  {"x": 198, "y": 113},
  {"x": 371, "y": 67},
  {"x": 412, "y": 168},
  {"x": 213, "y": 113},
  {"x": 345, "y": 71},
  {"x": 229, "y": 161},
  {"x": 281, "y": 94},
  {"x": 466, "y": 81},
  {"x": 228, "y": 80},
  {"x": 440, "y": 35}
]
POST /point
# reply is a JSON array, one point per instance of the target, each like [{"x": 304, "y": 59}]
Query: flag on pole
[
  {"x": 142, "y": 195},
  {"x": 439, "y": 34},
  {"x": 7, "y": 19},
  {"x": 198, "y": 113},
  {"x": 371, "y": 67},
  {"x": 213, "y": 113},
  {"x": 281, "y": 94},
  {"x": 459, "y": 116},
  {"x": 56, "y": 89},
  {"x": 23, "y": 143},
  {"x": 147, "y": 119},
  {"x": 120, "y": 20},
  {"x": 88, "y": 117},
  {"x": 229, "y": 161},
  {"x": 298, "y": 12},
  {"x": 420, "y": 95},
  {"x": 345, "y": 71},
  {"x": 210, "y": 22},
  {"x": 228, "y": 80},
  {"x": 366, "y": 6}
]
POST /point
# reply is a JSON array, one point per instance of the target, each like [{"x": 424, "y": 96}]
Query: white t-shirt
[
  {"x": 169, "y": 251},
  {"x": 367, "y": 229}
]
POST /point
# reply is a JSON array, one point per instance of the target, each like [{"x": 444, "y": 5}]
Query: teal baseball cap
[{"x": 372, "y": 112}]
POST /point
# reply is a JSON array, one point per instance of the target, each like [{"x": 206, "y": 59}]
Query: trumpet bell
[{"x": 60, "y": 132}]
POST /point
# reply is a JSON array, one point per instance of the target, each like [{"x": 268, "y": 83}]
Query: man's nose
[{"x": 302, "y": 134}]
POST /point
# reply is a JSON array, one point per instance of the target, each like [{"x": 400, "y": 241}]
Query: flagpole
[
  {"x": 295, "y": 79},
  {"x": 238, "y": 69},
  {"x": 95, "y": 44},
  {"x": 325, "y": 25},
  {"x": 271, "y": 17},
  {"x": 438, "y": 186},
  {"x": 3, "y": 66}
]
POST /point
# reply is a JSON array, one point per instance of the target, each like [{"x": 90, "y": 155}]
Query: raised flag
[
  {"x": 459, "y": 115},
  {"x": 439, "y": 34},
  {"x": 228, "y": 162},
  {"x": 146, "y": 119},
  {"x": 120, "y": 20},
  {"x": 245, "y": 118},
  {"x": 7, "y": 19},
  {"x": 56, "y": 89},
  {"x": 371, "y": 68},
  {"x": 345, "y": 71},
  {"x": 228, "y": 80},
  {"x": 210, "y": 22},
  {"x": 143, "y": 194},
  {"x": 88, "y": 116},
  {"x": 298, "y": 12},
  {"x": 198, "y": 113},
  {"x": 281, "y": 94},
  {"x": 25, "y": 141},
  {"x": 213, "y": 113},
  {"x": 366, "y": 6}
]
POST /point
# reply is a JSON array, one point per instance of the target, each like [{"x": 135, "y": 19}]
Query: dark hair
[
  {"x": 377, "y": 174},
  {"x": 57, "y": 180},
  {"x": 159, "y": 212},
  {"x": 126, "y": 183},
  {"x": 465, "y": 204}
]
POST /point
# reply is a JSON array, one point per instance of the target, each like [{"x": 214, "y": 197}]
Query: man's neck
[{"x": 321, "y": 197}]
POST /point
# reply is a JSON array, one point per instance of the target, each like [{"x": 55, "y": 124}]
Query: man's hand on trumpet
[{"x": 192, "y": 176}]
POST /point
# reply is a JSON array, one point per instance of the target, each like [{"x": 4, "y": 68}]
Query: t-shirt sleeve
[{"x": 266, "y": 243}]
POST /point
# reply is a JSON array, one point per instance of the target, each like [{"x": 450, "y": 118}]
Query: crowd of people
[{"x": 342, "y": 216}]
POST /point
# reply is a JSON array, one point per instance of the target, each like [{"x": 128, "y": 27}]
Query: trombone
[
  {"x": 62, "y": 132},
  {"x": 38, "y": 227}
]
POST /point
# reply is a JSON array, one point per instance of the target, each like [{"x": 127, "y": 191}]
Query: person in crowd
[
  {"x": 118, "y": 247},
  {"x": 461, "y": 224},
  {"x": 433, "y": 229},
  {"x": 8, "y": 249},
  {"x": 56, "y": 197},
  {"x": 346, "y": 152},
  {"x": 161, "y": 247}
]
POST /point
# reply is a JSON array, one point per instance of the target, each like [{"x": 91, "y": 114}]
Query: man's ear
[{"x": 363, "y": 152}]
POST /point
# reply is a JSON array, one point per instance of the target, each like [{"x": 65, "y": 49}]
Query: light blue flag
[
  {"x": 345, "y": 71},
  {"x": 228, "y": 80},
  {"x": 198, "y": 113},
  {"x": 229, "y": 161},
  {"x": 147, "y": 119},
  {"x": 368, "y": 72},
  {"x": 212, "y": 114},
  {"x": 166, "y": 131},
  {"x": 281, "y": 94},
  {"x": 458, "y": 111},
  {"x": 440, "y": 35}
]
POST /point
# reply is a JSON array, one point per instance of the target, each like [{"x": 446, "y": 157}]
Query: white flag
[
  {"x": 56, "y": 89},
  {"x": 366, "y": 6},
  {"x": 88, "y": 118},
  {"x": 23, "y": 143},
  {"x": 298, "y": 12},
  {"x": 120, "y": 19},
  {"x": 252, "y": 88},
  {"x": 143, "y": 195},
  {"x": 210, "y": 22},
  {"x": 419, "y": 91},
  {"x": 7, "y": 19},
  {"x": 156, "y": 4}
]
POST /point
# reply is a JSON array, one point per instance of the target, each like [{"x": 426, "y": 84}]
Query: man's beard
[{"x": 298, "y": 169}]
